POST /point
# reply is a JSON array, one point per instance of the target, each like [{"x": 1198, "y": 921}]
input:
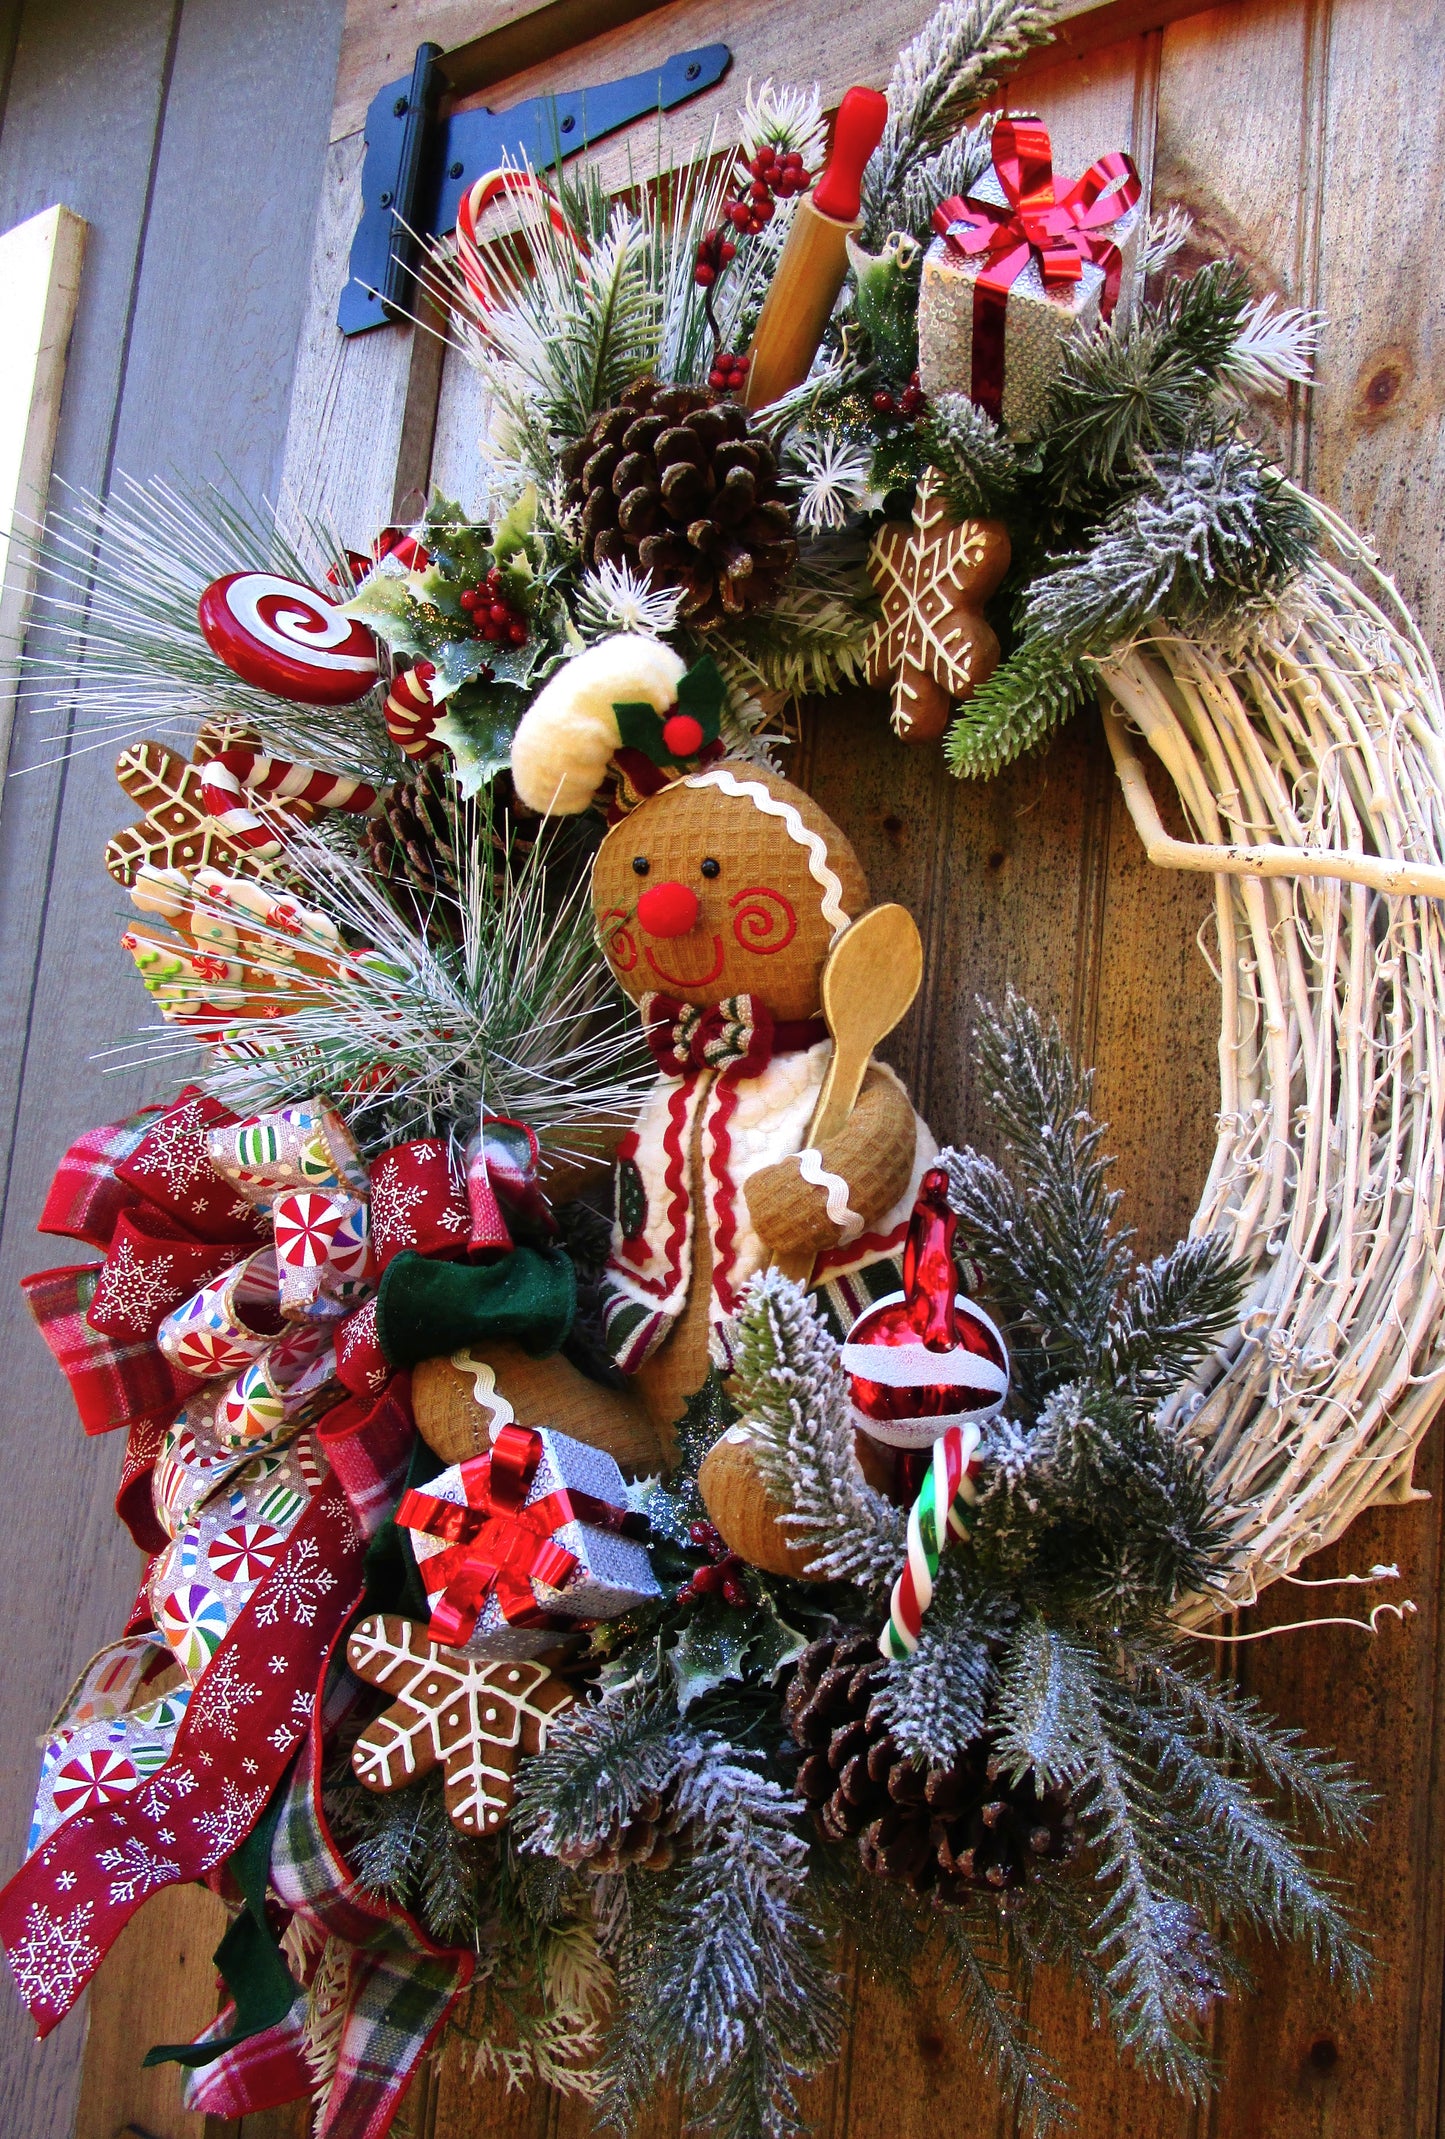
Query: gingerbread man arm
[{"x": 871, "y": 1158}]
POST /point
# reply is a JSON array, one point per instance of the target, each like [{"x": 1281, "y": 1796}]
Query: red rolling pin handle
[{"x": 857, "y": 131}]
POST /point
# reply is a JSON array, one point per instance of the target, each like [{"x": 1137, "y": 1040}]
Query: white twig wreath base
[{"x": 1311, "y": 768}]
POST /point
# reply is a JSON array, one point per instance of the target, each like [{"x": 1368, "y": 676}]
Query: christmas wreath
[{"x": 565, "y": 1623}]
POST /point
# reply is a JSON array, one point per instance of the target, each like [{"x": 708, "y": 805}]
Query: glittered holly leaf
[
  {"x": 934, "y": 576},
  {"x": 711, "y": 1648},
  {"x": 477, "y": 728},
  {"x": 773, "y": 1642},
  {"x": 469, "y": 1716}
]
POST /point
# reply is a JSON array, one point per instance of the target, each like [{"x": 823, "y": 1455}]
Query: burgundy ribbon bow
[
  {"x": 498, "y": 1544},
  {"x": 1061, "y": 234},
  {"x": 738, "y": 1030}
]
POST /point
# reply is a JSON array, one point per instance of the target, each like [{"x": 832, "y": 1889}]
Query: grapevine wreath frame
[
  {"x": 1013, "y": 497},
  {"x": 1312, "y": 767}
]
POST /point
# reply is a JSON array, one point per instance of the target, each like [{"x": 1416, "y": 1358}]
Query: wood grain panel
[
  {"x": 1377, "y": 440},
  {"x": 172, "y": 2005}
]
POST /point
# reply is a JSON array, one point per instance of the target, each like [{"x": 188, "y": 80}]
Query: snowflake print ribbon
[
  {"x": 143, "y": 1191},
  {"x": 248, "y": 1711},
  {"x": 1033, "y": 223}
]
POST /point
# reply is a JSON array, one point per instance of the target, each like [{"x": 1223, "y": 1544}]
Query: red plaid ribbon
[
  {"x": 145, "y": 1192},
  {"x": 1061, "y": 234},
  {"x": 498, "y": 1543}
]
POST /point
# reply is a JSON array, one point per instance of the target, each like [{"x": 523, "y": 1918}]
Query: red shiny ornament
[
  {"x": 410, "y": 713},
  {"x": 925, "y": 1358},
  {"x": 281, "y": 636},
  {"x": 668, "y": 910},
  {"x": 682, "y": 736}
]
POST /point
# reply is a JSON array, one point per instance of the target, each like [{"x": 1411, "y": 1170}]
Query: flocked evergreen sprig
[
  {"x": 723, "y": 1981},
  {"x": 945, "y": 72},
  {"x": 1048, "y": 1643},
  {"x": 1143, "y": 502}
]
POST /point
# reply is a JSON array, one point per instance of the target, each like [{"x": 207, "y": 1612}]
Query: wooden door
[{"x": 1286, "y": 128}]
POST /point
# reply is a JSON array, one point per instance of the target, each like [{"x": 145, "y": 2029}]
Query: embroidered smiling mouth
[{"x": 697, "y": 980}]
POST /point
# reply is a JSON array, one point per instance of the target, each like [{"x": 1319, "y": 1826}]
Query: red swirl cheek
[
  {"x": 763, "y": 920},
  {"x": 618, "y": 944}
]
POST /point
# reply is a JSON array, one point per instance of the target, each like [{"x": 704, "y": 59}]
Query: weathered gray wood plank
[{"x": 192, "y": 139}]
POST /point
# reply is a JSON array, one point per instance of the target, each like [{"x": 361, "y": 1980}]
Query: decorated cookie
[
  {"x": 469, "y": 1717},
  {"x": 933, "y": 642}
]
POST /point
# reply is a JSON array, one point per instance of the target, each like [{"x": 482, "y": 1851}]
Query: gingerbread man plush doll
[{"x": 719, "y": 892}]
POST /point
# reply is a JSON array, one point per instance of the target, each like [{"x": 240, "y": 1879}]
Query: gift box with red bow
[
  {"x": 516, "y": 1547},
  {"x": 1018, "y": 267}
]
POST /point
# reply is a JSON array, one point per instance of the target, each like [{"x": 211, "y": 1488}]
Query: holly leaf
[
  {"x": 711, "y": 1648},
  {"x": 478, "y": 728},
  {"x": 774, "y": 1643},
  {"x": 514, "y": 530},
  {"x": 701, "y": 694},
  {"x": 383, "y": 603}
]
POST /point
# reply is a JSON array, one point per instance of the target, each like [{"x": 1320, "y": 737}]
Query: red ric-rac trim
[
  {"x": 674, "y": 1181},
  {"x": 853, "y": 1252},
  {"x": 724, "y": 1245}
]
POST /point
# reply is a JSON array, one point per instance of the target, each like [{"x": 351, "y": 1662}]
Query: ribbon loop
[{"x": 1033, "y": 223}]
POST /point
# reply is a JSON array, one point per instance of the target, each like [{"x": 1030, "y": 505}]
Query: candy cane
[
  {"x": 488, "y": 188},
  {"x": 939, "y": 1512},
  {"x": 228, "y": 779}
]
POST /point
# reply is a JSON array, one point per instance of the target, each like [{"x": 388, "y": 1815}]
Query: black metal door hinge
[{"x": 418, "y": 166}]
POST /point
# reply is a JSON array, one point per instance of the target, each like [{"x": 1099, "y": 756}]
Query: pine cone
[
  {"x": 651, "y": 1841},
  {"x": 415, "y": 844},
  {"x": 414, "y": 840},
  {"x": 944, "y": 1831},
  {"x": 683, "y": 488}
]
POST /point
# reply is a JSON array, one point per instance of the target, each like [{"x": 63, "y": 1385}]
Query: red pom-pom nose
[
  {"x": 668, "y": 910},
  {"x": 682, "y": 736}
]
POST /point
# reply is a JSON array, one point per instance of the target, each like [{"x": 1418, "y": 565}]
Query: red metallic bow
[
  {"x": 498, "y": 1543},
  {"x": 1035, "y": 225}
]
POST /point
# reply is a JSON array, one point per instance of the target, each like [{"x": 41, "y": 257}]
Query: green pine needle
[{"x": 1026, "y": 699}]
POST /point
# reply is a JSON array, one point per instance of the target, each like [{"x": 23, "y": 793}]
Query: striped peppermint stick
[
  {"x": 939, "y": 1512},
  {"x": 228, "y": 780}
]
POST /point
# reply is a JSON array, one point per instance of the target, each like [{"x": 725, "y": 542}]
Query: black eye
[
  {"x": 641, "y": 864},
  {"x": 711, "y": 868}
]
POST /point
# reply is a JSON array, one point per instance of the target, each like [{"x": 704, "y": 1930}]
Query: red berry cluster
[
  {"x": 729, "y": 373},
  {"x": 910, "y": 403},
  {"x": 722, "y": 1578},
  {"x": 713, "y": 254},
  {"x": 493, "y": 615},
  {"x": 777, "y": 174}
]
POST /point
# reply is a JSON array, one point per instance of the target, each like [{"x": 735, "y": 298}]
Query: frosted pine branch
[
  {"x": 944, "y": 72},
  {"x": 792, "y": 1393},
  {"x": 1274, "y": 348}
]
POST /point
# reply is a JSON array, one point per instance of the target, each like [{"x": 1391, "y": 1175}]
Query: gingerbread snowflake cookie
[
  {"x": 933, "y": 643},
  {"x": 468, "y": 1716}
]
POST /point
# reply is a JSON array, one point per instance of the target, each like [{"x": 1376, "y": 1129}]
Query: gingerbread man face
[{"x": 732, "y": 882}]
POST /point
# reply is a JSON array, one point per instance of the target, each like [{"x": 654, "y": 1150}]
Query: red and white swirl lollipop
[{"x": 283, "y": 637}]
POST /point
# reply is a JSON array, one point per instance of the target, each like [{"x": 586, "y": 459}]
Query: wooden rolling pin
[{"x": 810, "y": 273}]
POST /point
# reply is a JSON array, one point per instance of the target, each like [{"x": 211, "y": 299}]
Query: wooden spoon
[{"x": 870, "y": 980}]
